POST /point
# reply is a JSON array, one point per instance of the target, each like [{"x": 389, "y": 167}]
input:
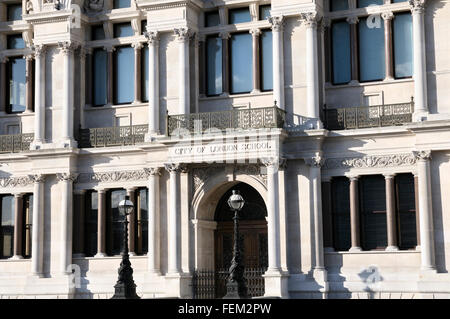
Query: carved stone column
[
  {"x": 153, "y": 254},
  {"x": 110, "y": 75},
  {"x": 183, "y": 35},
  {"x": 225, "y": 63},
  {"x": 353, "y": 21},
  {"x": 426, "y": 210},
  {"x": 388, "y": 45},
  {"x": 256, "y": 34},
  {"x": 137, "y": 72},
  {"x": 153, "y": 83},
  {"x": 29, "y": 82},
  {"x": 101, "y": 223},
  {"x": 416, "y": 201},
  {"x": 37, "y": 246},
  {"x": 391, "y": 221},
  {"x": 278, "y": 60},
  {"x": 354, "y": 214},
  {"x": 132, "y": 223},
  {"x": 18, "y": 222},
  {"x": 3, "y": 82},
  {"x": 84, "y": 88},
  {"x": 39, "y": 97},
  {"x": 66, "y": 180}
]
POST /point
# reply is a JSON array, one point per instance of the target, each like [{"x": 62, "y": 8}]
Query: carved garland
[{"x": 374, "y": 161}]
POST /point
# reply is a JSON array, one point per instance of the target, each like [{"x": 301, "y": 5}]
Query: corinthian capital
[
  {"x": 67, "y": 47},
  {"x": 39, "y": 50},
  {"x": 182, "y": 34},
  {"x": 37, "y": 178},
  {"x": 417, "y": 6},
  {"x": 152, "y": 171},
  {"x": 152, "y": 37},
  {"x": 277, "y": 23},
  {"x": 310, "y": 19},
  {"x": 66, "y": 177},
  {"x": 422, "y": 155},
  {"x": 315, "y": 161},
  {"x": 387, "y": 15},
  {"x": 173, "y": 167}
]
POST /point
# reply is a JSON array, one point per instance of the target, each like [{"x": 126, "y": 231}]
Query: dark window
[
  {"x": 341, "y": 213},
  {"x": 15, "y": 41},
  {"x": 7, "y": 226},
  {"x": 406, "y": 211},
  {"x": 213, "y": 66},
  {"x": 367, "y": 3},
  {"x": 212, "y": 19},
  {"x": 241, "y": 60},
  {"x": 27, "y": 234},
  {"x": 371, "y": 51},
  {"x": 264, "y": 12},
  {"x": 123, "y": 30},
  {"x": 118, "y": 4},
  {"x": 141, "y": 206},
  {"x": 91, "y": 222},
  {"x": 372, "y": 191},
  {"x": 97, "y": 32},
  {"x": 266, "y": 60},
  {"x": 14, "y": 12},
  {"x": 17, "y": 85},
  {"x": 114, "y": 233},
  {"x": 240, "y": 15},
  {"x": 403, "y": 45},
  {"x": 123, "y": 75},
  {"x": 144, "y": 26},
  {"x": 99, "y": 87},
  {"x": 337, "y": 5},
  {"x": 341, "y": 52}
]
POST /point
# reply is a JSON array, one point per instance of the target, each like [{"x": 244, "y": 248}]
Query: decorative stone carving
[
  {"x": 252, "y": 170},
  {"x": 37, "y": 178},
  {"x": 315, "y": 161},
  {"x": 152, "y": 171},
  {"x": 271, "y": 161},
  {"x": 352, "y": 20},
  {"x": 310, "y": 19},
  {"x": 422, "y": 155},
  {"x": 417, "y": 6},
  {"x": 182, "y": 34},
  {"x": 93, "y": 6},
  {"x": 393, "y": 160},
  {"x": 67, "y": 47},
  {"x": 152, "y": 37},
  {"x": 255, "y": 32},
  {"x": 67, "y": 177},
  {"x": 137, "y": 45},
  {"x": 173, "y": 167},
  {"x": 138, "y": 175},
  {"x": 19, "y": 181},
  {"x": 277, "y": 23},
  {"x": 387, "y": 15},
  {"x": 39, "y": 50},
  {"x": 29, "y": 7}
]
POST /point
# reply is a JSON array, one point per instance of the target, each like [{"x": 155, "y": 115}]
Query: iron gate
[{"x": 211, "y": 284}]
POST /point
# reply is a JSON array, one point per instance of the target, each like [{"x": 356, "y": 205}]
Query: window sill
[
  {"x": 330, "y": 86},
  {"x": 15, "y": 115},
  {"x": 111, "y": 106},
  {"x": 232, "y": 96},
  {"x": 15, "y": 260},
  {"x": 118, "y": 257},
  {"x": 378, "y": 252}
]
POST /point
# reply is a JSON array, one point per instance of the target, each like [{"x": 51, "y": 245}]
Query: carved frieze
[
  {"x": 105, "y": 177},
  {"x": 373, "y": 161}
]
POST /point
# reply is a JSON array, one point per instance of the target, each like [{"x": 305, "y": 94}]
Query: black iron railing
[
  {"x": 210, "y": 284},
  {"x": 112, "y": 136},
  {"x": 15, "y": 143},
  {"x": 266, "y": 117},
  {"x": 370, "y": 116}
]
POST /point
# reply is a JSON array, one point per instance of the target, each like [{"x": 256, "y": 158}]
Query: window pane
[
  {"x": 371, "y": 51},
  {"x": 91, "y": 220},
  {"x": 341, "y": 53},
  {"x": 214, "y": 66},
  {"x": 14, "y": 12},
  {"x": 144, "y": 26},
  {"x": 98, "y": 33},
  {"x": 122, "y": 4},
  {"x": 341, "y": 213},
  {"x": 396, "y": 1},
  {"x": 144, "y": 219},
  {"x": 241, "y": 63},
  {"x": 403, "y": 45},
  {"x": 123, "y": 75},
  {"x": 7, "y": 226},
  {"x": 266, "y": 61},
  {"x": 17, "y": 85},
  {"x": 264, "y": 12},
  {"x": 212, "y": 19},
  {"x": 145, "y": 66},
  {"x": 336, "y": 5},
  {"x": 239, "y": 16},
  {"x": 15, "y": 42},
  {"x": 373, "y": 214},
  {"x": 116, "y": 231},
  {"x": 99, "y": 76},
  {"x": 407, "y": 211},
  {"x": 123, "y": 30},
  {"x": 366, "y": 3}
]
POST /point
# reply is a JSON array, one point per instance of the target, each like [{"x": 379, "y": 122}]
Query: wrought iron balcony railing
[
  {"x": 239, "y": 119},
  {"x": 15, "y": 143},
  {"x": 370, "y": 116},
  {"x": 112, "y": 136}
]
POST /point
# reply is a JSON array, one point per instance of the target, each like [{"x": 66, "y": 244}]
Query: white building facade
[{"x": 331, "y": 117}]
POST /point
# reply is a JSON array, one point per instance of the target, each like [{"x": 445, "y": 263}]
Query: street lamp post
[
  {"x": 125, "y": 287},
  {"x": 236, "y": 286}
]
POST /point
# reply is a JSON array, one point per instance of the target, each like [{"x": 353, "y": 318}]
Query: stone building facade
[{"x": 330, "y": 116}]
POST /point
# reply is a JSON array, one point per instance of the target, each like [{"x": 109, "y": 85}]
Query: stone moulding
[
  {"x": 19, "y": 181},
  {"x": 137, "y": 175},
  {"x": 372, "y": 161}
]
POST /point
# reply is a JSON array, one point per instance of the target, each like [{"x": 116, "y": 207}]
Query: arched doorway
[{"x": 253, "y": 239}]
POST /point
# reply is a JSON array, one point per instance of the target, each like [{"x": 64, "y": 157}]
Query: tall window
[
  {"x": 91, "y": 222},
  {"x": 15, "y": 41},
  {"x": 14, "y": 12},
  {"x": 100, "y": 68},
  {"x": 212, "y": 19},
  {"x": 213, "y": 66},
  {"x": 341, "y": 52},
  {"x": 366, "y": 3},
  {"x": 403, "y": 43},
  {"x": 241, "y": 63},
  {"x": 141, "y": 219},
  {"x": 266, "y": 61},
  {"x": 7, "y": 226},
  {"x": 337, "y": 5},
  {"x": 97, "y": 32},
  {"x": 240, "y": 15},
  {"x": 371, "y": 51},
  {"x": 123, "y": 75},
  {"x": 27, "y": 225},
  {"x": 145, "y": 73},
  {"x": 341, "y": 213},
  {"x": 118, "y": 4},
  {"x": 406, "y": 208},
  {"x": 114, "y": 231},
  {"x": 123, "y": 30},
  {"x": 264, "y": 12},
  {"x": 17, "y": 85}
]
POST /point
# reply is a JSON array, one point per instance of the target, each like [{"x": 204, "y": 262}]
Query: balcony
[
  {"x": 370, "y": 116},
  {"x": 112, "y": 136},
  {"x": 15, "y": 143},
  {"x": 238, "y": 119}
]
